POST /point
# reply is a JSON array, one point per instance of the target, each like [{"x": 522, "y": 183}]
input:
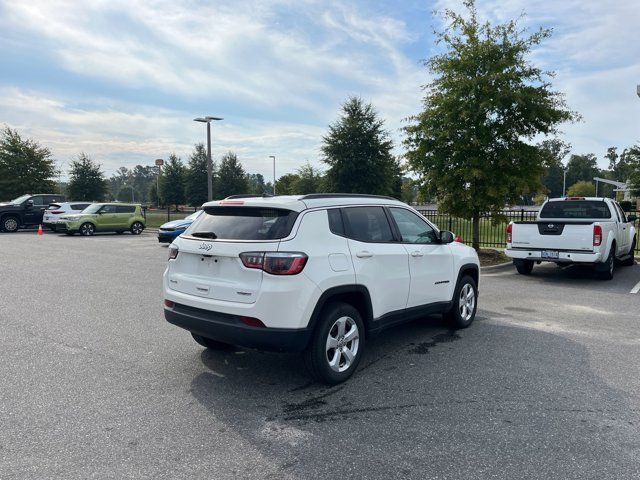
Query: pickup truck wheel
[
  {"x": 630, "y": 260},
  {"x": 337, "y": 344},
  {"x": 465, "y": 304},
  {"x": 137, "y": 228},
  {"x": 209, "y": 343},
  {"x": 524, "y": 267},
  {"x": 605, "y": 270},
  {"x": 87, "y": 229},
  {"x": 10, "y": 224}
]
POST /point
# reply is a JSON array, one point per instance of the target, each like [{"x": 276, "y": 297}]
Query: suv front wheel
[
  {"x": 465, "y": 304},
  {"x": 10, "y": 224},
  {"x": 337, "y": 344}
]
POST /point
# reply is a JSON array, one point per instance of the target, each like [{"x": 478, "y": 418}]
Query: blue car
[{"x": 170, "y": 230}]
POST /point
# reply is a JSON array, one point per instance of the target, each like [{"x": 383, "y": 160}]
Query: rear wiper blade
[{"x": 204, "y": 235}]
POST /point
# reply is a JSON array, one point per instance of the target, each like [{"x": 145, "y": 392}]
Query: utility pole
[
  {"x": 208, "y": 121},
  {"x": 274, "y": 174}
]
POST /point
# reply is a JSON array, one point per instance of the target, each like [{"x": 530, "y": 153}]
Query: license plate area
[
  {"x": 209, "y": 266},
  {"x": 550, "y": 254}
]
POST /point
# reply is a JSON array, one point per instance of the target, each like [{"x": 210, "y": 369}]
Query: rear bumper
[
  {"x": 229, "y": 329},
  {"x": 563, "y": 257}
]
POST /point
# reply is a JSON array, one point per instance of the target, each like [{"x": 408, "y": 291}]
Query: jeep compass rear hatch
[{"x": 208, "y": 262}]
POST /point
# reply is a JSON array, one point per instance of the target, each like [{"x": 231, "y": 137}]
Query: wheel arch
[
  {"x": 470, "y": 269},
  {"x": 356, "y": 295}
]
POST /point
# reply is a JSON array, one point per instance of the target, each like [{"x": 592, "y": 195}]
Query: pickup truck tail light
[
  {"x": 597, "y": 235},
  {"x": 509, "y": 230},
  {"x": 275, "y": 263}
]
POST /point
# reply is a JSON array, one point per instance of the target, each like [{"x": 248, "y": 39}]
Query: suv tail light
[
  {"x": 509, "y": 230},
  {"x": 57, "y": 212},
  {"x": 597, "y": 235},
  {"x": 173, "y": 252},
  {"x": 275, "y": 263}
]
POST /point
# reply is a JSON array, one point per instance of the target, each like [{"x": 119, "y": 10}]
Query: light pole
[
  {"x": 564, "y": 181},
  {"x": 208, "y": 121},
  {"x": 159, "y": 162},
  {"x": 274, "y": 173}
]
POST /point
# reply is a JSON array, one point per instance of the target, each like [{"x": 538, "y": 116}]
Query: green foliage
[
  {"x": 308, "y": 180},
  {"x": 196, "y": 190},
  {"x": 583, "y": 188},
  {"x": 86, "y": 180},
  {"x": 231, "y": 177},
  {"x": 357, "y": 150},
  {"x": 632, "y": 161},
  {"x": 553, "y": 151},
  {"x": 172, "y": 181},
  {"x": 409, "y": 190},
  {"x": 256, "y": 185},
  {"x": 487, "y": 102},
  {"x": 286, "y": 184},
  {"x": 582, "y": 168},
  {"x": 25, "y": 166}
]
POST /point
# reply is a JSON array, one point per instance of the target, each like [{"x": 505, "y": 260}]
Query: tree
[
  {"x": 582, "y": 167},
  {"x": 357, "y": 150},
  {"x": 583, "y": 188},
  {"x": 141, "y": 177},
  {"x": 471, "y": 145},
  {"x": 86, "y": 180},
  {"x": 256, "y": 185},
  {"x": 25, "y": 166},
  {"x": 286, "y": 184},
  {"x": 196, "y": 189},
  {"x": 172, "y": 181},
  {"x": 553, "y": 152},
  {"x": 231, "y": 176},
  {"x": 309, "y": 180},
  {"x": 632, "y": 159}
]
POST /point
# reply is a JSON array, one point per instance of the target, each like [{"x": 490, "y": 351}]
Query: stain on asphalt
[
  {"x": 520, "y": 309},
  {"x": 447, "y": 337},
  {"x": 311, "y": 403}
]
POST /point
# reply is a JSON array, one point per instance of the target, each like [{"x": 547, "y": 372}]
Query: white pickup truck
[{"x": 574, "y": 230}]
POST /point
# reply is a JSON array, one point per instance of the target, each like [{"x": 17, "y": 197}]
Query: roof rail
[
  {"x": 248, "y": 195},
  {"x": 312, "y": 196}
]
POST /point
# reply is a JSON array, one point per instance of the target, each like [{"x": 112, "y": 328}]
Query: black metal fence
[
  {"x": 157, "y": 216},
  {"x": 492, "y": 227}
]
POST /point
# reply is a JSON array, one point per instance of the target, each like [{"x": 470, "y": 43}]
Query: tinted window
[
  {"x": 79, "y": 206},
  {"x": 53, "y": 206},
  {"x": 335, "y": 221},
  {"x": 125, "y": 209},
  {"x": 368, "y": 224},
  {"x": 575, "y": 209},
  {"x": 108, "y": 209},
  {"x": 52, "y": 199},
  {"x": 412, "y": 228},
  {"x": 243, "y": 223},
  {"x": 38, "y": 200}
]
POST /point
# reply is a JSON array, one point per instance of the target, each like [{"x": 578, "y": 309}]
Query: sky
[{"x": 123, "y": 80}]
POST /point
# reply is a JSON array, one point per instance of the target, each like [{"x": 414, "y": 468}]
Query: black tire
[
  {"x": 53, "y": 229},
  {"x": 462, "y": 314},
  {"x": 524, "y": 267},
  {"x": 87, "y": 229},
  {"x": 629, "y": 261},
  {"x": 10, "y": 224},
  {"x": 605, "y": 270},
  {"x": 209, "y": 343},
  {"x": 316, "y": 356},
  {"x": 137, "y": 228}
]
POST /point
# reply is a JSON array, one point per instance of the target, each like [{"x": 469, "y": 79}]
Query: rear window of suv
[
  {"x": 584, "y": 209},
  {"x": 243, "y": 223}
]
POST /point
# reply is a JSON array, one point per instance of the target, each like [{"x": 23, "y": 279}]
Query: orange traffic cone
[{"x": 40, "y": 232}]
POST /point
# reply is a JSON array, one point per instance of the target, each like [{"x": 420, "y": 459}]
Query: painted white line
[{"x": 635, "y": 289}]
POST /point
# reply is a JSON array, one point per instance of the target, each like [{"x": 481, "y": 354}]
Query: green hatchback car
[{"x": 104, "y": 217}]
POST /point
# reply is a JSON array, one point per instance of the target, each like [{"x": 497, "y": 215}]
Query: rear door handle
[
  {"x": 417, "y": 253},
  {"x": 364, "y": 254}
]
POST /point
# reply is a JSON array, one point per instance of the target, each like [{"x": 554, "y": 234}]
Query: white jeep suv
[{"x": 319, "y": 274}]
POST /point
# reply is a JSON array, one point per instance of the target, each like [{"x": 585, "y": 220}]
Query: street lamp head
[
  {"x": 272, "y": 156},
  {"x": 200, "y": 119},
  {"x": 207, "y": 119},
  {"x": 213, "y": 118}
]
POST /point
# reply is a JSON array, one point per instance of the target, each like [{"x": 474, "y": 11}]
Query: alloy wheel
[
  {"x": 467, "y": 302},
  {"x": 342, "y": 344}
]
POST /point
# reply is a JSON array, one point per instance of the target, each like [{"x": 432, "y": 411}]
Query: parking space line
[{"x": 635, "y": 289}]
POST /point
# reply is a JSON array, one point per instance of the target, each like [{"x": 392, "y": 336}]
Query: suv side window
[
  {"x": 79, "y": 206},
  {"x": 367, "y": 224},
  {"x": 335, "y": 221},
  {"x": 125, "y": 209},
  {"x": 38, "y": 200},
  {"x": 412, "y": 228},
  {"x": 108, "y": 209}
]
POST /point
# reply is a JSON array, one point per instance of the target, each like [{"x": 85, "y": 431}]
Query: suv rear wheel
[
  {"x": 10, "y": 224},
  {"x": 465, "y": 304},
  {"x": 137, "y": 228},
  {"x": 337, "y": 344}
]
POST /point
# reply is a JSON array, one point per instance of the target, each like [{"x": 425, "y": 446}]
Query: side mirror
[
  {"x": 446, "y": 236},
  {"x": 29, "y": 204},
  {"x": 632, "y": 218}
]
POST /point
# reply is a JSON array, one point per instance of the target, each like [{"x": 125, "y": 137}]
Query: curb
[{"x": 500, "y": 266}]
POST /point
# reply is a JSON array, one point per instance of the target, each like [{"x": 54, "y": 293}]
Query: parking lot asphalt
[{"x": 95, "y": 383}]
